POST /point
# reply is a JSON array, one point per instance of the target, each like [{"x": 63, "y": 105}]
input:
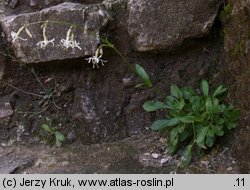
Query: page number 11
[{"x": 240, "y": 182}]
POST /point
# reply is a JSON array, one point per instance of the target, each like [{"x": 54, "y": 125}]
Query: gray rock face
[
  {"x": 54, "y": 43},
  {"x": 5, "y": 111},
  {"x": 165, "y": 24}
]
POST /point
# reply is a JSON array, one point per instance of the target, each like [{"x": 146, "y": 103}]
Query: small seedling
[
  {"x": 194, "y": 119},
  {"x": 48, "y": 128},
  {"x": 226, "y": 13}
]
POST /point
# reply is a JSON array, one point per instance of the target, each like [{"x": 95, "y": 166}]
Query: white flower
[
  {"x": 43, "y": 44},
  {"x": 15, "y": 36},
  {"x": 70, "y": 42},
  {"x": 76, "y": 44},
  {"x": 95, "y": 59}
]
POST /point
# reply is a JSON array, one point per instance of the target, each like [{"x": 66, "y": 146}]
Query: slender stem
[
  {"x": 38, "y": 80},
  {"x": 27, "y": 67},
  {"x": 107, "y": 44},
  {"x": 56, "y": 22},
  {"x": 25, "y": 92},
  {"x": 194, "y": 133},
  {"x": 124, "y": 59},
  {"x": 36, "y": 113}
]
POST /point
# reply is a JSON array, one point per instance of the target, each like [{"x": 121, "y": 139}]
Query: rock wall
[
  {"x": 179, "y": 21},
  {"x": 64, "y": 20},
  {"x": 102, "y": 105},
  {"x": 237, "y": 44},
  {"x": 237, "y": 67},
  {"x": 166, "y": 24}
]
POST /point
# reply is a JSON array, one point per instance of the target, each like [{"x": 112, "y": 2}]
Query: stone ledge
[
  {"x": 90, "y": 18},
  {"x": 163, "y": 25}
]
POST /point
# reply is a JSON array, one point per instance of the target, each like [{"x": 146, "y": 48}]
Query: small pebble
[
  {"x": 229, "y": 169},
  {"x": 206, "y": 163},
  {"x": 127, "y": 81},
  {"x": 163, "y": 141},
  {"x": 164, "y": 160},
  {"x": 155, "y": 155},
  {"x": 71, "y": 136},
  {"x": 165, "y": 152},
  {"x": 65, "y": 163},
  {"x": 173, "y": 172}
]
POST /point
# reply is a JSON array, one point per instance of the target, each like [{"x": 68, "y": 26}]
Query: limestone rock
[
  {"x": 161, "y": 24},
  {"x": 88, "y": 19}
]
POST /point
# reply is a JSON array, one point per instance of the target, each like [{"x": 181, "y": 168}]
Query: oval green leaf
[
  {"x": 161, "y": 124},
  {"x": 153, "y": 106},
  {"x": 204, "y": 87},
  {"x": 47, "y": 128},
  {"x": 219, "y": 91},
  {"x": 187, "y": 155},
  {"x": 174, "y": 90},
  {"x": 143, "y": 75}
]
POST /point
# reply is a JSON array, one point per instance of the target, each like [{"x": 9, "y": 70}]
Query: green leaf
[
  {"x": 179, "y": 105},
  {"x": 210, "y": 141},
  {"x": 173, "y": 136},
  {"x": 181, "y": 128},
  {"x": 219, "y": 132},
  {"x": 184, "y": 135},
  {"x": 216, "y": 102},
  {"x": 59, "y": 138},
  {"x": 173, "y": 121},
  {"x": 170, "y": 101},
  {"x": 222, "y": 107},
  {"x": 219, "y": 121},
  {"x": 187, "y": 93},
  {"x": 219, "y": 91},
  {"x": 175, "y": 90},
  {"x": 187, "y": 155},
  {"x": 209, "y": 105},
  {"x": 231, "y": 125},
  {"x": 47, "y": 128},
  {"x": 172, "y": 148},
  {"x": 140, "y": 85},
  {"x": 233, "y": 115},
  {"x": 196, "y": 104},
  {"x": 143, "y": 75},
  {"x": 201, "y": 134},
  {"x": 204, "y": 87},
  {"x": 215, "y": 109},
  {"x": 188, "y": 119},
  {"x": 210, "y": 133},
  {"x": 159, "y": 124},
  {"x": 153, "y": 106}
]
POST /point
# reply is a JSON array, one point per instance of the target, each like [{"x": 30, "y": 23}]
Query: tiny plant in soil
[
  {"x": 194, "y": 120},
  {"x": 226, "y": 13},
  {"x": 48, "y": 128}
]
